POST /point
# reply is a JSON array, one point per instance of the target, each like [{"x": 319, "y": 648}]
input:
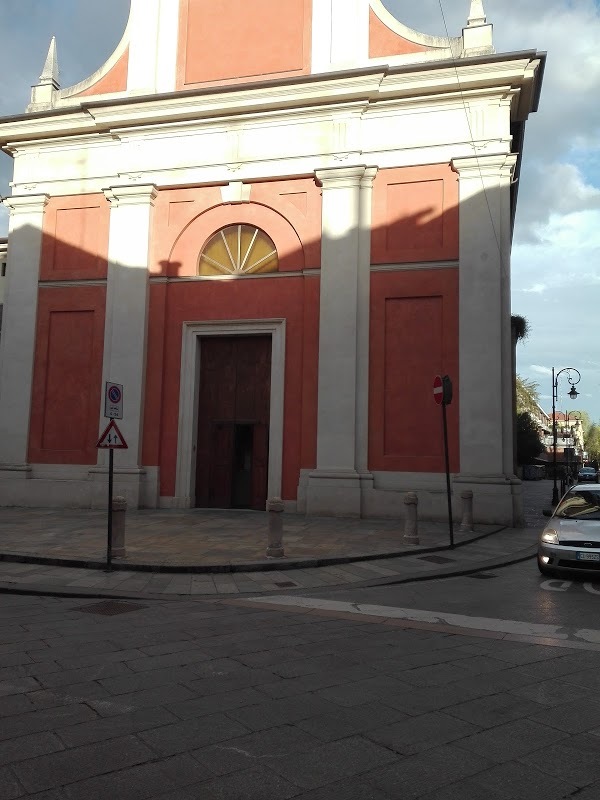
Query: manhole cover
[
  {"x": 109, "y": 608},
  {"x": 285, "y": 584},
  {"x": 437, "y": 559},
  {"x": 482, "y": 576}
]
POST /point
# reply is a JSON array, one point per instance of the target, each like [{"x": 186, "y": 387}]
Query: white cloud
[
  {"x": 538, "y": 288},
  {"x": 540, "y": 370}
]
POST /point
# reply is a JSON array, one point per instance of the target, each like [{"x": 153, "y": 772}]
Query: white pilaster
[
  {"x": 17, "y": 345},
  {"x": 153, "y": 46},
  {"x": 334, "y": 487},
  {"x": 486, "y": 443},
  {"x": 127, "y": 312},
  {"x": 363, "y": 323},
  {"x": 340, "y": 34}
]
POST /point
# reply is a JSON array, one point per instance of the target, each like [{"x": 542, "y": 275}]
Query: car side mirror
[{"x": 546, "y": 512}]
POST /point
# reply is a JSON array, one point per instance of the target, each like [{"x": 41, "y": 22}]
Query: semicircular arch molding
[{"x": 183, "y": 260}]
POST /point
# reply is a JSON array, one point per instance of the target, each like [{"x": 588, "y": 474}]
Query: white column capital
[
  {"x": 368, "y": 177},
  {"x": 494, "y": 165},
  {"x": 131, "y": 195},
  {"x": 26, "y": 203},
  {"x": 343, "y": 177}
]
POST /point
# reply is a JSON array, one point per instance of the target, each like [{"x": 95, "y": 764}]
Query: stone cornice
[
  {"x": 341, "y": 177},
  {"x": 26, "y": 203},
  {"x": 133, "y": 195},
  {"x": 441, "y": 79},
  {"x": 500, "y": 165}
]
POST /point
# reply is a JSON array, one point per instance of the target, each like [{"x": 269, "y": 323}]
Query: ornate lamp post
[
  {"x": 573, "y": 393},
  {"x": 567, "y": 433}
]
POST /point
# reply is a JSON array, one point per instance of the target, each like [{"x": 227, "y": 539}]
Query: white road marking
[
  {"x": 550, "y": 587},
  {"x": 509, "y": 626}
]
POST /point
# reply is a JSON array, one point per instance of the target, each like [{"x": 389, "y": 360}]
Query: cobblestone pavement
[
  {"x": 32, "y": 533},
  {"x": 499, "y": 548},
  {"x": 203, "y": 538},
  {"x": 197, "y": 700}
]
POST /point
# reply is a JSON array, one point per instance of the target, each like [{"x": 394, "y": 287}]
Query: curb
[{"x": 440, "y": 574}]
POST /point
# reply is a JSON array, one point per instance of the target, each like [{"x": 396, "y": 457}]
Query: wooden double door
[{"x": 233, "y": 422}]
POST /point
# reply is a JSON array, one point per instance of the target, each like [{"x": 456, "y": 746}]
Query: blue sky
[{"x": 556, "y": 254}]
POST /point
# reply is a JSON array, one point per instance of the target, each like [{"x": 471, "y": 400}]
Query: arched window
[{"x": 238, "y": 250}]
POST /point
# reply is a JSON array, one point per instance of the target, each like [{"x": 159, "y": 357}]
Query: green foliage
[
  {"x": 586, "y": 421},
  {"x": 592, "y": 442},
  {"x": 528, "y": 397},
  {"x": 529, "y": 444}
]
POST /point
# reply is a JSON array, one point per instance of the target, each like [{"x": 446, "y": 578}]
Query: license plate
[{"x": 588, "y": 556}]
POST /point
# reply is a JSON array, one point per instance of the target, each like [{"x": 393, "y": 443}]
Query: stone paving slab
[
  {"x": 198, "y": 731},
  {"x": 199, "y": 553},
  {"x": 516, "y": 545},
  {"x": 200, "y": 539}
]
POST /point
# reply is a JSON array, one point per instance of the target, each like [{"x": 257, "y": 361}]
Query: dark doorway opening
[
  {"x": 233, "y": 422},
  {"x": 243, "y": 437}
]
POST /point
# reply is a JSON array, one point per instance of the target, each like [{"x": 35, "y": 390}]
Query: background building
[{"x": 274, "y": 224}]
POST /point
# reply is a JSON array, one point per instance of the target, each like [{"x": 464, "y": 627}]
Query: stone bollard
[
  {"x": 119, "y": 507},
  {"x": 275, "y": 542},
  {"x": 466, "y": 524},
  {"x": 411, "y": 522}
]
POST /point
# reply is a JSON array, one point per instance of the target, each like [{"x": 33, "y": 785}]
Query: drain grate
[
  {"x": 285, "y": 584},
  {"x": 109, "y": 608},
  {"x": 482, "y": 576},
  {"x": 437, "y": 559}
]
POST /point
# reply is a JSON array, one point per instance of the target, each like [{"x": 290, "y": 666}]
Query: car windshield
[
  {"x": 586, "y": 470},
  {"x": 578, "y": 504}
]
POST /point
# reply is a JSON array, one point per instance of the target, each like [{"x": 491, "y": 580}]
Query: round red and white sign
[{"x": 438, "y": 390}]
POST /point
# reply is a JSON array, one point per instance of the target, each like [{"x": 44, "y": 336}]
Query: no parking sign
[{"x": 113, "y": 401}]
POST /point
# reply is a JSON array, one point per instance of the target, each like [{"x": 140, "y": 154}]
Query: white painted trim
[
  {"x": 93, "y": 79},
  {"x": 321, "y": 36},
  {"x": 417, "y": 265},
  {"x": 264, "y": 276},
  {"x": 68, "y": 284},
  {"x": 166, "y": 56},
  {"x": 189, "y": 396},
  {"x": 412, "y": 35}
]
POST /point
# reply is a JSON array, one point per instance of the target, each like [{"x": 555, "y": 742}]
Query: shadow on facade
[{"x": 362, "y": 342}]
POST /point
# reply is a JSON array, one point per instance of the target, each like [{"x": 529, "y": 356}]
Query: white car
[{"x": 571, "y": 539}]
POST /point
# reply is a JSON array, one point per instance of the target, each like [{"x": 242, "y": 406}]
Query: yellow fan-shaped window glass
[{"x": 238, "y": 250}]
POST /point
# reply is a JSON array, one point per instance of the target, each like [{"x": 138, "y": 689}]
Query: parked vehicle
[
  {"x": 587, "y": 474},
  {"x": 571, "y": 539}
]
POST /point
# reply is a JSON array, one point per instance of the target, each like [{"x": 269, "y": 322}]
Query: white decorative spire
[
  {"x": 45, "y": 92},
  {"x": 478, "y": 35},
  {"x": 50, "y": 72},
  {"x": 477, "y": 15}
]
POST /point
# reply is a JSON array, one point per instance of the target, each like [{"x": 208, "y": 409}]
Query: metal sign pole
[
  {"x": 110, "y": 512},
  {"x": 448, "y": 489}
]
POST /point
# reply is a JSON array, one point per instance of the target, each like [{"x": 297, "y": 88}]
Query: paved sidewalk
[{"x": 221, "y": 553}]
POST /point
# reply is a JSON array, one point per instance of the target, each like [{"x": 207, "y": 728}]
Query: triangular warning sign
[{"x": 112, "y": 439}]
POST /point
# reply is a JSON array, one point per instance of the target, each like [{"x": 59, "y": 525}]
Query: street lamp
[
  {"x": 573, "y": 393},
  {"x": 567, "y": 433}
]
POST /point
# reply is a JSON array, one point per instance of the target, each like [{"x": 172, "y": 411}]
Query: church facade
[{"x": 274, "y": 224}]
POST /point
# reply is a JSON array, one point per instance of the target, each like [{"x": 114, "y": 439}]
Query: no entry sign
[
  {"x": 442, "y": 390},
  {"x": 438, "y": 390}
]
